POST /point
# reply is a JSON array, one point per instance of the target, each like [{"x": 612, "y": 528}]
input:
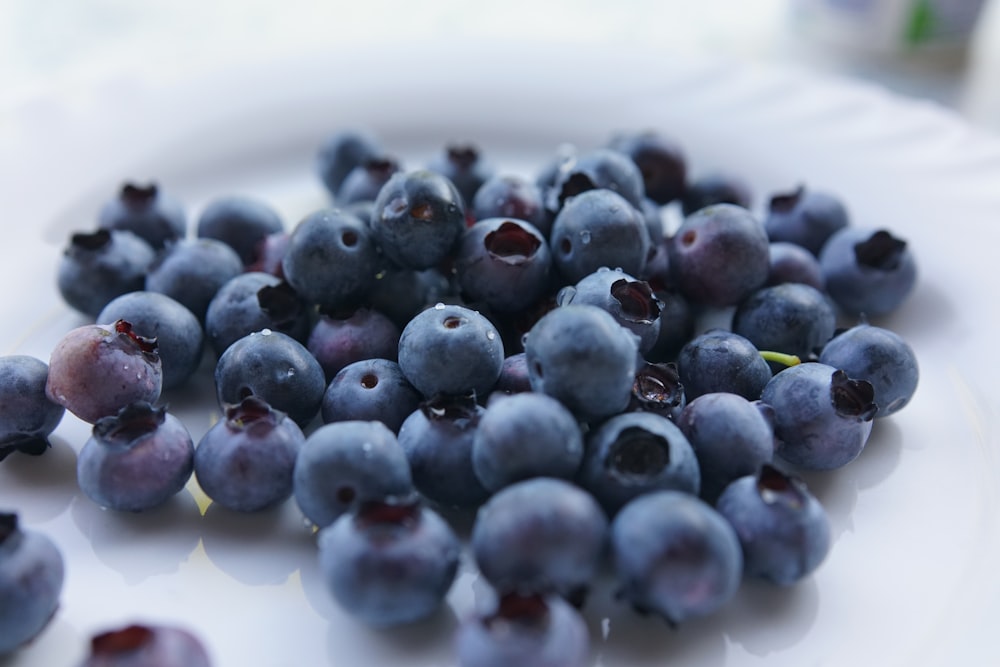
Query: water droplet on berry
[
  {"x": 290, "y": 372},
  {"x": 585, "y": 237},
  {"x": 265, "y": 332},
  {"x": 438, "y": 306},
  {"x": 565, "y": 295},
  {"x": 491, "y": 335}
]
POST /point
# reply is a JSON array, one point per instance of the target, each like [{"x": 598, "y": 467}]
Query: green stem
[{"x": 780, "y": 358}]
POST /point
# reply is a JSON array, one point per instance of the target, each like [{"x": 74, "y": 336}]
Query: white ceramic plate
[{"x": 912, "y": 577}]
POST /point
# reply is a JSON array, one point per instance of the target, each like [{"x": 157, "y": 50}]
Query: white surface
[
  {"x": 911, "y": 578},
  {"x": 60, "y": 45}
]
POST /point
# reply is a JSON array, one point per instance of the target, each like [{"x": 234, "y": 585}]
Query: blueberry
[
  {"x": 805, "y": 217},
  {"x": 142, "y": 645},
  {"x": 581, "y": 356},
  {"x": 599, "y": 228},
  {"x": 880, "y": 357},
  {"x": 822, "y": 418},
  {"x": 791, "y": 318},
  {"x": 27, "y": 415},
  {"x": 96, "y": 267},
  {"x": 180, "y": 340},
  {"x": 451, "y": 349},
  {"x": 191, "y": 271},
  {"x": 525, "y": 435},
  {"x": 438, "y": 438},
  {"x": 661, "y": 163},
  {"x": 719, "y": 255},
  {"x": 240, "y": 222},
  {"x": 731, "y": 437},
  {"x": 782, "y": 528},
  {"x": 342, "y": 152},
  {"x": 636, "y": 453},
  {"x": 244, "y": 462},
  {"x": 400, "y": 294},
  {"x": 363, "y": 334},
  {"x": 719, "y": 360},
  {"x": 511, "y": 196},
  {"x": 791, "y": 263},
  {"x": 513, "y": 375},
  {"x": 465, "y": 166},
  {"x": 389, "y": 564},
  {"x": 270, "y": 253},
  {"x": 503, "y": 263},
  {"x": 715, "y": 188},
  {"x": 365, "y": 180},
  {"x": 540, "y": 535},
  {"x": 275, "y": 367},
  {"x": 136, "y": 460},
  {"x": 148, "y": 212},
  {"x": 418, "y": 219},
  {"x": 370, "y": 390},
  {"x": 677, "y": 325},
  {"x": 253, "y": 301},
  {"x": 346, "y": 464},
  {"x": 604, "y": 169},
  {"x": 96, "y": 369},
  {"x": 657, "y": 268},
  {"x": 331, "y": 259},
  {"x": 675, "y": 556},
  {"x": 866, "y": 271},
  {"x": 32, "y": 573},
  {"x": 525, "y": 630},
  {"x": 630, "y": 301}
]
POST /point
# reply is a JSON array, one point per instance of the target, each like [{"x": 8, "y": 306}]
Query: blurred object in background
[{"x": 925, "y": 29}]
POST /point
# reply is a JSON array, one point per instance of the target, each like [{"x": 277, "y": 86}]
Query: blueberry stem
[{"x": 780, "y": 358}]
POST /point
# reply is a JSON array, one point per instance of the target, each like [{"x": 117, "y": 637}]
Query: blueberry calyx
[
  {"x": 511, "y": 243},
  {"x": 658, "y": 387},
  {"x": 639, "y": 453},
  {"x": 381, "y": 168},
  {"x": 525, "y": 611},
  {"x": 852, "y": 398},
  {"x": 785, "y": 202},
  {"x": 422, "y": 211},
  {"x": 120, "y": 642},
  {"x": 138, "y": 196},
  {"x": 637, "y": 300},
  {"x": 774, "y": 486},
  {"x": 125, "y": 333},
  {"x": 399, "y": 512},
  {"x": 882, "y": 251},
  {"x": 132, "y": 421},
  {"x": 8, "y": 525},
  {"x": 576, "y": 183},
  {"x": 450, "y": 407},
  {"x": 251, "y": 412},
  {"x": 462, "y": 155},
  {"x": 280, "y": 302},
  {"x": 89, "y": 241}
]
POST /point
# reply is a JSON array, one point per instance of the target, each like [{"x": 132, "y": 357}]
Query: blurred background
[{"x": 946, "y": 51}]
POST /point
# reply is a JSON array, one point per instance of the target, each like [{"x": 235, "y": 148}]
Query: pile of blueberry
[{"x": 531, "y": 350}]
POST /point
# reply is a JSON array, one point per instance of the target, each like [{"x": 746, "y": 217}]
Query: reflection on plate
[{"x": 910, "y": 580}]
